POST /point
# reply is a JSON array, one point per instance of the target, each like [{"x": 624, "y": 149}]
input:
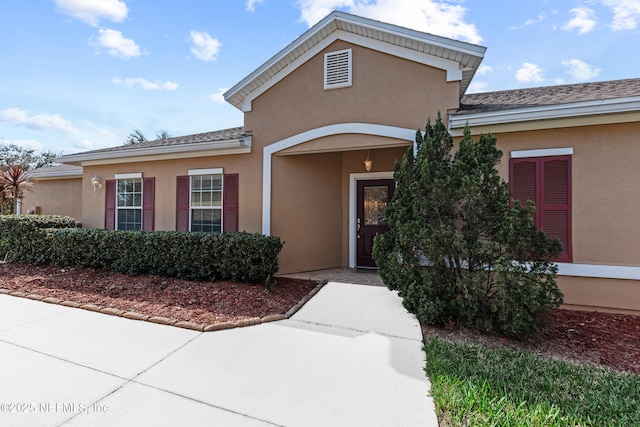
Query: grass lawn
[{"x": 478, "y": 386}]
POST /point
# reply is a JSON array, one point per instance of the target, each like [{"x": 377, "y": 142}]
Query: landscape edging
[{"x": 132, "y": 315}]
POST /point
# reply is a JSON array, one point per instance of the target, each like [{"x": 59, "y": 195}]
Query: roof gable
[{"x": 459, "y": 59}]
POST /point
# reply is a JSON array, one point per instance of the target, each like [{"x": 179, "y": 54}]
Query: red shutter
[
  {"x": 230, "y": 203},
  {"x": 110, "y": 204},
  {"x": 555, "y": 206},
  {"x": 182, "y": 203},
  {"x": 547, "y": 182},
  {"x": 148, "y": 202}
]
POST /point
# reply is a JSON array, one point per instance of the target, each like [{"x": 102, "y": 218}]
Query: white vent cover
[{"x": 337, "y": 69}]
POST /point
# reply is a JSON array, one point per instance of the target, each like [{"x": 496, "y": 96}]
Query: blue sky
[{"x": 77, "y": 75}]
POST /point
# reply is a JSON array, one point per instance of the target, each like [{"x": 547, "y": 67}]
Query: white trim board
[
  {"x": 337, "y": 129},
  {"x": 598, "y": 271},
  {"x": 353, "y": 181},
  {"x": 545, "y": 152}
]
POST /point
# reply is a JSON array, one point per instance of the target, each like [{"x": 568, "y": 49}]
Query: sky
[{"x": 78, "y": 75}]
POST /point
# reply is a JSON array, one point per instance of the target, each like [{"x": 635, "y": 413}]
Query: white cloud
[
  {"x": 116, "y": 44},
  {"x": 626, "y": 14},
  {"x": 107, "y": 135},
  {"x": 541, "y": 17},
  {"x": 144, "y": 83},
  {"x": 251, "y": 5},
  {"x": 484, "y": 69},
  {"x": 92, "y": 11},
  {"x": 431, "y": 16},
  {"x": 580, "y": 70},
  {"x": 204, "y": 46},
  {"x": 584, "y": 20},
  {"x": 84, "y": 144},
  {"x": 219, "y": 95},
  {"x": 19, "y": 117},
  {"x": 477, "y": 86},
  {"x": 529, "y": 73},
  {"x": 29, "y": 144}
]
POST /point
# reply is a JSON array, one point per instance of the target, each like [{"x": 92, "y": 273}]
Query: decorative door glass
[{"x": 375, "y": 203}]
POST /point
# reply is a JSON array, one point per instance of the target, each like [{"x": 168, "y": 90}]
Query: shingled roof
[
  {"x": 213, "y": 136},
  {"x": 189, "y": 145},
  {"x": 548, "y": 95}
]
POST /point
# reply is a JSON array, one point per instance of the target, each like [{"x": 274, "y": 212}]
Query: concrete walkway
[{"x": 350, "y": 357}]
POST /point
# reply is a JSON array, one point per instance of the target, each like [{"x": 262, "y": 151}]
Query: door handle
[{"x": 358, "y": 224}]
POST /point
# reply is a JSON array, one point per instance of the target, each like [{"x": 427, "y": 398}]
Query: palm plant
[{"x": 14, "y": 181}]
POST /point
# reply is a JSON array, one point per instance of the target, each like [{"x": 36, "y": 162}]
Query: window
[
  {"x": 206, "y": 203},
  {"x": 130, "y": 202},
  {"x": 337, "y": 69},
  {"x": 207, "y": 200},
  {"x": 547, "y": 182}
]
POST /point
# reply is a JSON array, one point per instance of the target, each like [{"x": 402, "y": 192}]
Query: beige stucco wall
[
  {"x": 605, "y": 179},
  {"x": 165, "y": 173},
  {"x": 386, "y": 90},
  {"x": 310, "y": 184},
  {"x": 609, "y": 295},
  {"x": 55, "y": 197}
]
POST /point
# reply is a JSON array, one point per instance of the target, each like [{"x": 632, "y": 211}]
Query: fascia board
[
  {"x": 453, "y": 69},
  {"x": 559, "y": 111},
  {"x": 236, "y": 146},
  {"x": 64, "y": 174}
]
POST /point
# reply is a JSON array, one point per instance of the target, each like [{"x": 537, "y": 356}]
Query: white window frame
[
  {"x": 129, "y": 176},
  {"x": 206, "y": 172}
]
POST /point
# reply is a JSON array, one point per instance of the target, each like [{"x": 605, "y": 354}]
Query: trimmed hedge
[
  {"x": 23, "y": 237},
  {"x": 239, "y": 257}
]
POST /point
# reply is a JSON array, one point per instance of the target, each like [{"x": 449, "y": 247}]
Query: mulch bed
[
  {"x": 605, "y": 339},
  {"x": 191, "y": 301}
]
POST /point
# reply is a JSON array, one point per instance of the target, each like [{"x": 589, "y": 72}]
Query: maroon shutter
[
  {"x": 230, "y": 203},
  {"x": 555, "y": 206},
  {"x": 110, "y": 204},
  {"x": 148, "y": 201},
  {"x": 182, "y": 203}
]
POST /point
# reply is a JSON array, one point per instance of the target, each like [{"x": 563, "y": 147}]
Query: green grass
[{"x": 477, "y": 386}]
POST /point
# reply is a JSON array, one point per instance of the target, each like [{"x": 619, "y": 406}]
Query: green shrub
[
  {"x": 240, "y": 257},
  {"x": 23, "y": 238},
  {"x": 457, "y": 250}
]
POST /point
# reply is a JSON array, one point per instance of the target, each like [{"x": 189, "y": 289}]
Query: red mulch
[
  {"x": 198, "y": 302},
  {"x": 606, "y": 339}
]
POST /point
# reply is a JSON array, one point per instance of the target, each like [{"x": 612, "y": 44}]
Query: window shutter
[
  {"x": 230, "y": 203},
  {"x": 110, "y": 205},
  {"x": 182, "y": 203},
  {"x": 148, "y": 201},
  {"x": 524, "y": 182},
  {"x": 337, "y": 69},
  {"x": 555, "y": 208}
]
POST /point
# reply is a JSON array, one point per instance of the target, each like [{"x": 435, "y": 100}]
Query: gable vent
[{"x": 337, "y": 69}]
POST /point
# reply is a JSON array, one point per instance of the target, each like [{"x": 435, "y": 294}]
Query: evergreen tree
[{"x": 457, "y": 250}]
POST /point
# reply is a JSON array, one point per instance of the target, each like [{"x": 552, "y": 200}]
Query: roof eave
[
  {"x": 232, "y": 146},
  {"x": 458, "y": 121}
]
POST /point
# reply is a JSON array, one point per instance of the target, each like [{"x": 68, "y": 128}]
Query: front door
[{"x": 373, "y": 197}]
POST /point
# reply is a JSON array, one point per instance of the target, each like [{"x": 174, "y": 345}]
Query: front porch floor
[{"x": 341, "y": 275}]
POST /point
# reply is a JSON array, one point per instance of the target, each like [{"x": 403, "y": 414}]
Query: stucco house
[{"x": 325, "y": 119}]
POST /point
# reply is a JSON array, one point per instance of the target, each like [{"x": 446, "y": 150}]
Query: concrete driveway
[{"x": 350, "y": 357}]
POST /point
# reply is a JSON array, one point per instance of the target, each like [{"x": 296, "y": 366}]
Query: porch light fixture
[
  {"x": 368, "y": 163},
  {"x": 96, "y": 181}
]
